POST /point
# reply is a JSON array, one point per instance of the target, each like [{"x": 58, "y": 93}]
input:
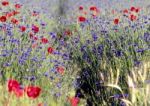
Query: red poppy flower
[
  {"x": 132, "y": 9},
  {"x": 68, "y": 32},
  {"x": 60, "y": 70},
  {"x": 50, "y": 50},
  {"x": 8, "y": 15},
  {"x": 93, "y": 8},
  {"x": 81, "y": 8},
  {"x": 74, "y": 101},
  {"x": 3, "y": 18},
  {"x": 44, "y": 40},
  {"x": 33, "y": 91},
  {"x": 35, "y": 29},
  {"x": 132, "y": 17},
  {"x": 125, "y": 11},
  {"x": 15, "y": 12},
  {"x": 13, "y": 85},
  {"x": 5, "y": 3},
  {"x": 81, "y": 19},
  {"x": 14, "y": 21},
  {"x": 22, "y": 28},
  {"x": 116, "y": 21},
  {"x": 137, "y": 10},
  {"x": 17, "y": 6}
]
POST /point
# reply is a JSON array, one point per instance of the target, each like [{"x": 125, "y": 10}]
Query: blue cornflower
[
  {"x": 147, "y": 37},
  {"x": 118, "y": 53}
]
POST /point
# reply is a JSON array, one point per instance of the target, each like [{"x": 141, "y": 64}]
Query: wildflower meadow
[{"x": 74, "y": 52}]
